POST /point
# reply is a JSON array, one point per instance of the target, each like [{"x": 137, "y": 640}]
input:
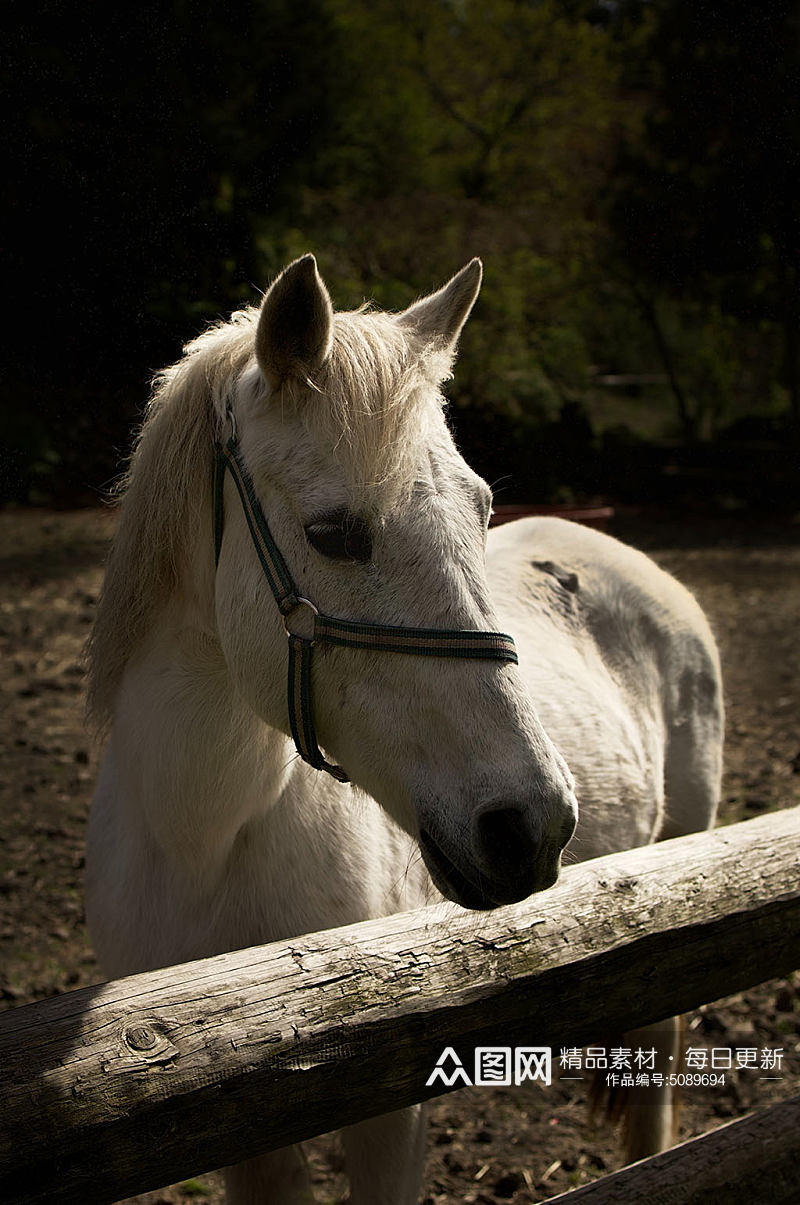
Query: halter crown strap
[
  {"x": 273, "y": 564},
  {"x": 347, "y": 633}
]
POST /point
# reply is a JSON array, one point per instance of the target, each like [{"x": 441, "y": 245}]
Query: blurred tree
[
  {"x": 471, "y": 128},
  {"x": 707, "y": 210},
  {"x": 143, "y": 144},
  {"x": 626, "y": 169}
]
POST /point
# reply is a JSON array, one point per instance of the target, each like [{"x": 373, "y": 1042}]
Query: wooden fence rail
[
  {"x": 753, "y": 1159},
  {"x": 130, "y": 1085}
]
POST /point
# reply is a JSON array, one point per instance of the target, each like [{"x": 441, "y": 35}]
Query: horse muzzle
[{"x": 507, "y": 857}]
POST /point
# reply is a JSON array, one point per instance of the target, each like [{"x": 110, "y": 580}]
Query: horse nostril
[{"x": 504, "y": 838}]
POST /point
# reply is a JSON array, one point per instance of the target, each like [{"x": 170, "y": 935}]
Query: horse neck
[{"x": 192, "y": 756}]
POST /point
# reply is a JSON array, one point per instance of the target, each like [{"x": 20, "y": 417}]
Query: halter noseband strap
[{"x": 425, "y": 642}]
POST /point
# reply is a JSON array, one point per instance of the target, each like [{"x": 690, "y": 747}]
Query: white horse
[{"x": 337, "y": 471}]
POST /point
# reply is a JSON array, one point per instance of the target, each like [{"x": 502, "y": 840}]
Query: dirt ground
[{"x": 486, "y": 1145}]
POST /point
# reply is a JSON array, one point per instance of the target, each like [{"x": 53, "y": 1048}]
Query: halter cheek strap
[{"x": 347, "y": 633}]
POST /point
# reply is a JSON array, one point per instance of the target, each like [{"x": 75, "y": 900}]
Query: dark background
[{"x": 628, "y": 172}]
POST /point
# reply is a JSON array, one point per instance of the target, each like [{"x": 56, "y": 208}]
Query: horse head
[{"x": 340, "y": 422}]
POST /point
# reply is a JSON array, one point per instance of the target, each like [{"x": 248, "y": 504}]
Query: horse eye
[{"x": 341, "y": 538}]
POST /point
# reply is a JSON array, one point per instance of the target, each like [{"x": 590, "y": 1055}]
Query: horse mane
[{"x": 363, "y": 401}]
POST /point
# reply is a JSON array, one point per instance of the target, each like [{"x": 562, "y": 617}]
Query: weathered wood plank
[
  {"x": 130, "y": 1085},
  {"x": 755, "y": 1158}
]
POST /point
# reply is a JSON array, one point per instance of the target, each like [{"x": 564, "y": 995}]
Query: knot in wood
[{"x": 140, "y": 1037}]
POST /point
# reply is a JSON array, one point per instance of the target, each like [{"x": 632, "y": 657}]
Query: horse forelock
[
  {"x": 368, "y": 402},
  {"x": 372, "y": 399}
]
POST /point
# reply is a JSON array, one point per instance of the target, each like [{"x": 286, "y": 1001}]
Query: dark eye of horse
[{"x": 341, "y": 537}]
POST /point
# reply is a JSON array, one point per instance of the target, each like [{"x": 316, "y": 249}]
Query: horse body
[
  {"x": 207, "y": 833},
  {"x": 625, "y": 673}
]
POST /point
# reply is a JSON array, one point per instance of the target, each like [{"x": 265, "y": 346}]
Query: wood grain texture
[{"x": 130, "y": 1085}]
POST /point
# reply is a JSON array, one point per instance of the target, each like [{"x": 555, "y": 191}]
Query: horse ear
[
  {"x": 442, "y": 315},
  {"x": 293, "y": 337}
]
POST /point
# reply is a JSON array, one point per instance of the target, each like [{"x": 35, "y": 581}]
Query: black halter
[{"x": 423, "y": 642}]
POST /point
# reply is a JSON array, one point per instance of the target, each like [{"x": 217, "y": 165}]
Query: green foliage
[
  {"x": 628, "y": 173},
  {"x": 466, "y": 128}
]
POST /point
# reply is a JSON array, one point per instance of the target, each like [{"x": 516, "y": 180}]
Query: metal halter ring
[{"x": 301, "y": 602}]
